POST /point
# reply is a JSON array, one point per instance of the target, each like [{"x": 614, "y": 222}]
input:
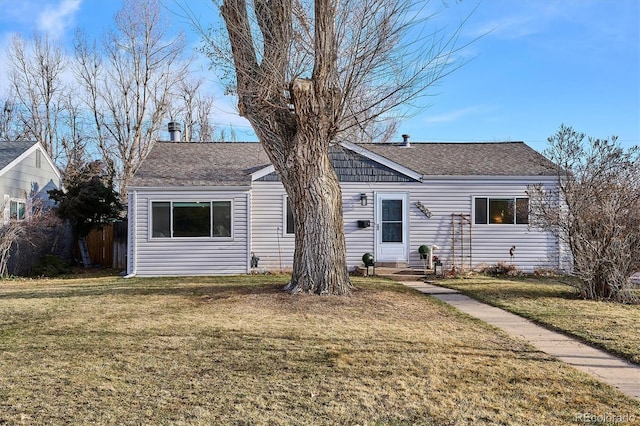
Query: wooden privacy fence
[{"x": 108, "y": 245}]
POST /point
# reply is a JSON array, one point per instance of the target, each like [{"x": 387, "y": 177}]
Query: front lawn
[
  {"x": 612, "y": 326},
  {"x": 237, "y": 350}
]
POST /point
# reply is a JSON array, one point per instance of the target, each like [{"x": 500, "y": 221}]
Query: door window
[{"x": 391, "y": 221}]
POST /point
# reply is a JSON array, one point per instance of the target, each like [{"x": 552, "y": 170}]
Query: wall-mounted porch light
[{"x": 363, "y": 199}]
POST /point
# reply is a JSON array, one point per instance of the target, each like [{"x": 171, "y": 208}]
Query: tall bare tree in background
[
  {"x": 9, "y": 128},
  {"x": 36, "y": 84},
  {"x": 129, "y": 78},
  {"x": 193, "y": 108},
  {"x": 595, "y": 211},
  {"x": 310, "y": 73},
  {"x": 74, "y": 136}
]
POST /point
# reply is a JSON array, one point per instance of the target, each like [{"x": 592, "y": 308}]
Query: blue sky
[{"x": 540, "y": 63}]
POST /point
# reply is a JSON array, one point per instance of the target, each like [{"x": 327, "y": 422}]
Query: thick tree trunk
[
  {"x": 315, "y": 196},
  {"x": 319, "y": 264},
  {"x": 296, "y": 122}
]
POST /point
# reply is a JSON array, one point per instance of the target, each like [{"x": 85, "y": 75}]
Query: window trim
[
  {"x": 488, "y": 198},
  {"x": 211, "y": 237}
]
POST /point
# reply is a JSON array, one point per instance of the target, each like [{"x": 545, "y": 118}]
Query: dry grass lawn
[
  {"x": 237, "y": 350},
  {"x": 612, "y": 326}
]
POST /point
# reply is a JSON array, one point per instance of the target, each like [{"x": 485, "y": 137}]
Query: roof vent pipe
[
  {"x": 174, "y": 131},
  {"x": 405, "y": 140}
]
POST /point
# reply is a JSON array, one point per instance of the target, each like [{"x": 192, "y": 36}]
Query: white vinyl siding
[
  {"x": 488, "y": 244},
  {"x": 188, "y": 255},
  {"x": 26, "y": 181},
  {"x": 442, "y": 197}
]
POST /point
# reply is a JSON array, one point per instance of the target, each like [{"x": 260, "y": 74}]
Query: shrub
[
  {"x": 51, "y": 265},
  {"x": 502, "y": 269}
]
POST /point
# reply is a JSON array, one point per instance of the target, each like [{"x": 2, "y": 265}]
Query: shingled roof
[
  {"x": 231, "y": 164},
  {"x": 9, "y": 151},
  {"x": 200, "y": 164},
  {"x": 466, "y": 159}
]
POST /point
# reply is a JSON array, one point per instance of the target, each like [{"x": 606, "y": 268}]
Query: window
[
  {"x": 221, "y": 218},
  {"x": 17, "y": 210},
  {"x": 290, "y": 227},
  {"x": 192, "y": 219},
  {"x": 501, "y": 211},
  {"x": 38, "y": 159},
  {"x": 522, "y": 211},
  {"x": 161, "y": 219},
  {"x": 174, "y": 219},
  {"x": 392, "y": 221}
]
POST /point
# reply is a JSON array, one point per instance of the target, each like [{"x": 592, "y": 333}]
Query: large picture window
[
  {"x": 501, "y": 211},
  {"x": 176, "y": 219}
]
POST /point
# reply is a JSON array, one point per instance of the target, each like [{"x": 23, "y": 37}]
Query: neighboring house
[
  {"x": 204, "y": 208},
  {"x": 26, "y": 174}
]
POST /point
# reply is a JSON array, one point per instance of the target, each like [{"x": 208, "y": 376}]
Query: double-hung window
[
  {"x": 501, "y": 210},
  {"x": 17, "y": 209},
  {"x": 200, "y": 219}
]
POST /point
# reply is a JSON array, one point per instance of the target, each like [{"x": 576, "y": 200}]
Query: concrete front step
[
  {"x": 394, "y": 265},
  {"x": 398, "y": 274}
]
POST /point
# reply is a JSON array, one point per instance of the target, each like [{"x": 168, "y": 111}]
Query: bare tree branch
[
  {"x": 130, "y": 79},
  {"x": 595, "y": 211}
]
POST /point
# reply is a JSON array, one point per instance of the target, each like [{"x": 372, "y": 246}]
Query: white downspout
[
  {"x": 432, "y": 248},
  {"x": 132, "y": 259},
  {"x": 248, "y": 223}
]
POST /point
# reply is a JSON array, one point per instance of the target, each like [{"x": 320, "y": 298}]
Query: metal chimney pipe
[
  {"x": 405, "y": 140},
  {"x": 174, "y": 131}
]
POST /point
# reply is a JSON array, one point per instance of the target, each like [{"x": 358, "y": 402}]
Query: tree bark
[
  {"x": 319, "y": 264},
  {"x": 296, "y": 122},
  {"x": 315, "y": 196}
]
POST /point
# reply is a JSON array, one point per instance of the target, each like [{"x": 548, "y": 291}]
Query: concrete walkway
[{"x": 603, "y": 366}]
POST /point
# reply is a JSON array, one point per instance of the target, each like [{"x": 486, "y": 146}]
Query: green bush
[{"x": 51, "y": 265}]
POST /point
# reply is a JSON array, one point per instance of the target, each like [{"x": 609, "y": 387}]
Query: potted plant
[{"x": 424, "y": 251}]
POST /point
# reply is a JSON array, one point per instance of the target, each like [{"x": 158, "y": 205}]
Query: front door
[{"x": 392, "y": 227}]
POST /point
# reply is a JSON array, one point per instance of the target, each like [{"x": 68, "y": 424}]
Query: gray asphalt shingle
[
  {"x": 215, "y": 164},
  {"x": 9, "y": 151},
  {"x": 466, "y": 159},
  {"x": 200, "y": 164}
]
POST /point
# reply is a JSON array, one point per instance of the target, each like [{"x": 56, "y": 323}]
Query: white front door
[{"x": 392, "y": 227}]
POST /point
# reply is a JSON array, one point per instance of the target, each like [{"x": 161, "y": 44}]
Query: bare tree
[
  {"x": 129, "y": 78},
  {"x": 206, "y": 129},
  {"x": 595, "y": 211},
  {"x": 9, "y": 126},
  {"x": 36, "y": 70},
  {"x": 74, "y": 131},
  {"x": 308, "y": 74},
  {"x": 193, "y": 108}
]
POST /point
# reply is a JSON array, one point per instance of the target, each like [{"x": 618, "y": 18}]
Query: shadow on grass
[
  {"x": 212, "y": 287},
  {"x": 147, "y": 287},
  {"x": 517, "y": 289}
]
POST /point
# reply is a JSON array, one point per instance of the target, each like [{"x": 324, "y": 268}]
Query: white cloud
[
  {"x": 55, "y": 19},
  {"x": 453, "y": 115}
]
